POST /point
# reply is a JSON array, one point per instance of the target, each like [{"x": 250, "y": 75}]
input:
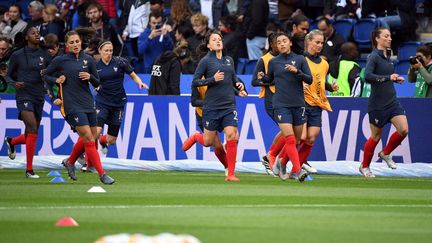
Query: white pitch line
[{"x": 219, "y": 206}]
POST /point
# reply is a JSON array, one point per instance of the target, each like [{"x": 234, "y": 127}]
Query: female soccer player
[
  {"x": 219, "y": 107},
  {"x": 383, "y": 107},
  {"x": 315, "y": 94},
  {"x": 78, "y": 69},
  {"x": 26, "y": 65},
  {"x": 288, "y": 71}
]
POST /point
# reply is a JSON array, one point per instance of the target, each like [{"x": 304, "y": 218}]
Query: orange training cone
[{"x": 67, "y": 222}]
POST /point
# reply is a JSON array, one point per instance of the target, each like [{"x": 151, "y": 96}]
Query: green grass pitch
[{"x": 258, "y": 209}]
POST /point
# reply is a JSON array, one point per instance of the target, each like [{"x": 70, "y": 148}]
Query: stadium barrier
[{"x": 154, "y": 128}]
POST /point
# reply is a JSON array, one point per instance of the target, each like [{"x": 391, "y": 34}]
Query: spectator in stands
[
  {"x": 110, "y": 8},
  {"x": 256, "y": 20},
  {"x": 188, "y": 65},
  {"x": 286, "y": 9},
  {"x": 334, "y": 9},
  {"x": 231, "y": 37},
  {"x": 180, "y": 14},
  {"x": 299, "y": 27},
  {"x": 137, "y": 21},
  {"x": 421, "y": 72},
  {"x": 159, "y": 7},
  {"x": 165, "y": 75},
  {"x": 35, "y": 11},
  {"x": 346, "y": 72},
  {"x": 12, "y": 23},
  {"x": 154, "y": 41},
  {"x": 51, "y": 23},
  {"x": 67, "y": 7},
  {"x": 333, "y": 41},
  {"x": 213, "y": 9},
  {"x": 383, "y": 106},
  {"x": 401, "y": 15},
  {"x": 5, "y": 53},
  {"x": 200, "y": 27},
  {"x": 182, "y": 33},
  {"x": 104, "y": 30}
]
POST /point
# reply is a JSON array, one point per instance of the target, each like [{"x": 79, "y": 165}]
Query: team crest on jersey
[
  {"x": 115, "y": 69},
  {"x": 97, "y": 111},
  {"x": 207, "y": 123},
  {"x": 228, "y": 62},
  {"x": 76, "y": 119},
  {"x": 85, "y": 61},
  {"x": 376, "y": 121},
  {"x": 293, "y": 63},
  {"x": 280, "y": 117},
  {"x": 26, "y": 104}
]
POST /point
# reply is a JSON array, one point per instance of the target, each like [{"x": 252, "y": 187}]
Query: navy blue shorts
[
  {"x": 82, "y": 119},
  {"x": 109, "y": 115},
  {"x": 217, "y": 120},
  {"x": 30, "y": 105},
  {"x": 313, "y": 116},
  {"x": 294, "y": 116},
  {"x": 199, "y": 121},
  {"x": 268, "y": 105},
  {"x": 380, "y": 118}
]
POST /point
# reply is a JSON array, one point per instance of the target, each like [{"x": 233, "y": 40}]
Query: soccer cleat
[
  {"x": 388, "y": 159},
  {"x": 293, "y": 176},
  {"x": 81, "y": 160},
  {"x": 366, "y": 172},
  {"x": 89, "y": 169},
  {"x": 189, "y": 142},
  {"x": 103, "y": 147},
  {"x": 106, "y": 179},
  {"x": 266, "y": 165},
  {"x": 11, "y": 148},
  {"x": 302, "y": 175},
  {"x": 283, "y": 173},
  {"x": 70, "y": 169},
  {"x": 30, "y": 174},
  {"x": 276, "y": 167},
  {"x": 232, "y": 178},
  {"x": 307, "y": 167},
  {"x": 271, "y": 159}
]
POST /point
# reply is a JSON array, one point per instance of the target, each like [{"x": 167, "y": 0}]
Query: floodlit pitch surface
[{"x": 258, "y": 209}]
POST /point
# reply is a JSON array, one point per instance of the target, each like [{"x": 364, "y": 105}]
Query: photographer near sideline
[{"x": 420, "y": 72}]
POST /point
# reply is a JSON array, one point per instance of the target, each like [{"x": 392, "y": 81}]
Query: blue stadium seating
[
  {"x": 250, "y": 67},
  {"x": 408, "y": 49},
  {"x": 402, "y": 67},
  {"x": 344, "y": 27},
  {"x": 362, "y": 30},
  {"x": 241, "y": 65},
  {"x": 361, "y": 62}
]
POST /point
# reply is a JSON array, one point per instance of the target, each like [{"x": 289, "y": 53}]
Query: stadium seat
[
  {"x": 408, "y": 49},
  {"x": 241, "y": 65},
  {"x": 362, "y": 30},
  {"x": 402, "y": 67},
  {"x": 362, "y": 62},
  {"x": 344, "y": 27},
  {"x": 250, "y": 67},
  {"x": 313, "y": 24}
]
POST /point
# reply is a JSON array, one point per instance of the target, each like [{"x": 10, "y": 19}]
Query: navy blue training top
[
  {"x": 219, "y": 95},
  {"x": 112, "y": 92},
  {"x": 289, "y": 86},
  {"x": 76, "y": 95},
  {"x": 377, "y": 73},
  {"x": 25, "y": 66}
]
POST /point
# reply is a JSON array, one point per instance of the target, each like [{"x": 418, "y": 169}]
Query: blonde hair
[
  {"x": 199, "y": 19},
  {"x": 309, "y": 37},
  {"x": 51, "y": 10}
]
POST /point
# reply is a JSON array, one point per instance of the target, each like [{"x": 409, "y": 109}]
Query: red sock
[
  {"x": 304, "y": 152},
  {"x": 395, "y": 140},
  {"x": 93, "y": 156},
  {"x": 21, "y": 139},
  {"x": 199, "y": 138},
  {"x": 369, "y": 149},
  {"x": 103, "y": 139},
  {"x": 231, "y": 156},
  {"x": 283, "y": 155},
  {"x": 291, "y": 150},
  {"x": 276, "y": 148},
  {"x": 30, "y": 149},
  {"x": 77, "y": 150},
  {"x": 221, "y": 155}
]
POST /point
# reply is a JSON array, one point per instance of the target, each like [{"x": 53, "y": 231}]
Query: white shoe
[
  {"x": 103, "y": 148},
  {"x": 366, "y": 172},
  {"x": 388, "y": 159},
  {"x": 30, "y": 174},
  {"x": 11, "y": 148},
  {"x": 302, "y": 175},
  {"x": 307, "y": 167},
  {"x": 283, "y": 173},
  {"x": 276, "y": 167},
  {"x": 266, "y": 165}
]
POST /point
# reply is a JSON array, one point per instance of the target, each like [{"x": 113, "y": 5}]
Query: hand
[
  {"x": 57, "y": 102},
  {"x": 394, "y": 76},
  {"x": 400, "y": 79},
  {"x": 124, "y": 37},
  {"x": 291, "y": 68},
  {"x": 418, "y": 65},
  {"x": 155, "y": 33},
  {"x": 260, "y": 75},
  {"x": 143, "y": 85},
  {"x": 240, "y": 86},
  {"x": 335, "y": 86},
  {"x": 19, "y": 85},
  {"x": 240, "y": 18},
  {"x": 6, "y": 16},
  {"x": 243, "y": 93},
  {"x": 60, "y": 79},
  {"x": 219, "y": 76},
  {"x": 84, "y": 75}
]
